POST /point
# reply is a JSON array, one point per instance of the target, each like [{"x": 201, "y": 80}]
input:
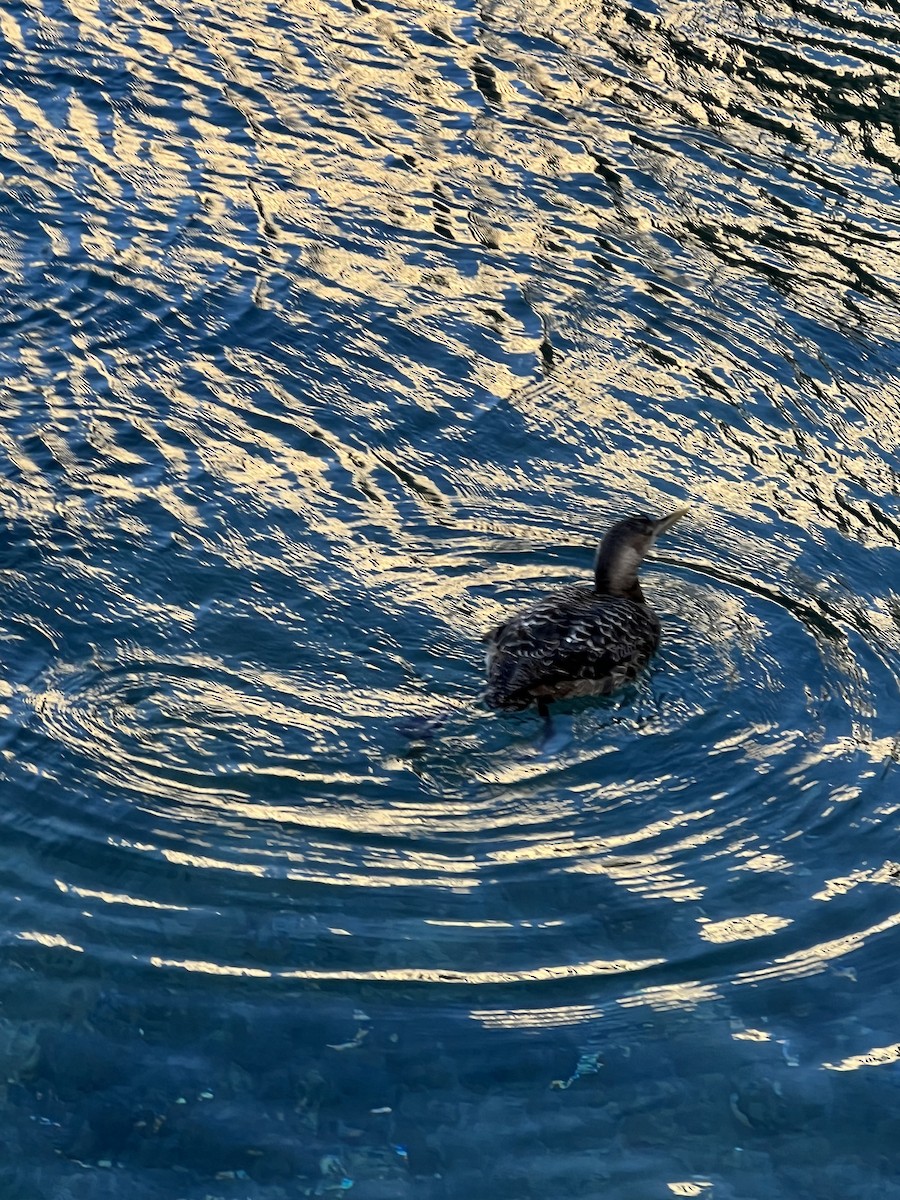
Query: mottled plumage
[{"x": 580, "y": 641}]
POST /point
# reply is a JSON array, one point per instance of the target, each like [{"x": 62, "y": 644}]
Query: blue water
[{"x": 330, "y": 333}]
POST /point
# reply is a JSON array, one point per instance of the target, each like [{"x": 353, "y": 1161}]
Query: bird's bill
[{"x": 669, "y": 520}]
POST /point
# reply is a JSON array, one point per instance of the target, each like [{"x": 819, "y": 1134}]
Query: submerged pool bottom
[{"x": 213, "y": 1088}]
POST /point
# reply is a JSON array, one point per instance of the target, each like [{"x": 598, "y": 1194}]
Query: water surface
[{"x": 332, "y": 332}]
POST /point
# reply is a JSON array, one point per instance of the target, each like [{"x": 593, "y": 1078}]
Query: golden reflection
[
  {"x": 584, "y": 851},
  {"x": 117, "y": 898},
  {"x": 841, "y": 885},
  {"x": 579, "y": 970},
  {"x": 741, "y": 1033},
  {"x": 536, "y": 1018},
  {"x": 881, "y": 753},
  {"x": 878, "y": 1056},
  {"x": 815, "y": 959},
  {"x": 685, "y": 996},
  {"x": 476, "y": 924},
  {"x": 651, "y": 874},
  {"x": 750, "y": 860},
  {"x": 11, "y": 30},
  {"x": 209, "y": 968},
  {"x": 49, "y": 939},
  {"x": 202, "y": 862},
  {"x": 888, "y": 872},
  {"x": 741, "y": 929},
  {"x": 417, "y": 974}
]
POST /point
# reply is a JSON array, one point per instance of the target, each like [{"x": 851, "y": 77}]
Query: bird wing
[{"x": 570, "y": 635}]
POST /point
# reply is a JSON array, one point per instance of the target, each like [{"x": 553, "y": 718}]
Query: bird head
[{"x": 623, "y": 549}]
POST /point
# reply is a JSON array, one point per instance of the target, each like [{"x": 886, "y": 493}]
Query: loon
[{"x": 580, "y": 641}]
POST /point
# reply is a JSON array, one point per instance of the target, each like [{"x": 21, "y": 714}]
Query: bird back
[{"x": 572, "y": 642}]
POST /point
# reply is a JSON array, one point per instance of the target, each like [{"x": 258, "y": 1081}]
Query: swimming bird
[{"x": 578, "y": 640}]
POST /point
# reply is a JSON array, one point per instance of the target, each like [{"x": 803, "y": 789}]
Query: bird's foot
[
  {"x": 554, "y": 739},
  {"x": 555, "y": 735}
]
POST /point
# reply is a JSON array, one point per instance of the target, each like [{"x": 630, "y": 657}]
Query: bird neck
[
  {"x": 616, "y": 575},
  {"x": 631, "y": 593}
]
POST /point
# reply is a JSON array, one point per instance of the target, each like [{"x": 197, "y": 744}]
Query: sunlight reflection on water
[{"x": 333, "y": 333}]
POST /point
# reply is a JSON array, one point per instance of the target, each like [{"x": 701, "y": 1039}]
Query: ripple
[
  {"x": 333, "y": 334},
  {"x": 235, "y": 778}
]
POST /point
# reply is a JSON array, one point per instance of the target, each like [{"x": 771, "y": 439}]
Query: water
[{"x": 332, "y": 332}]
